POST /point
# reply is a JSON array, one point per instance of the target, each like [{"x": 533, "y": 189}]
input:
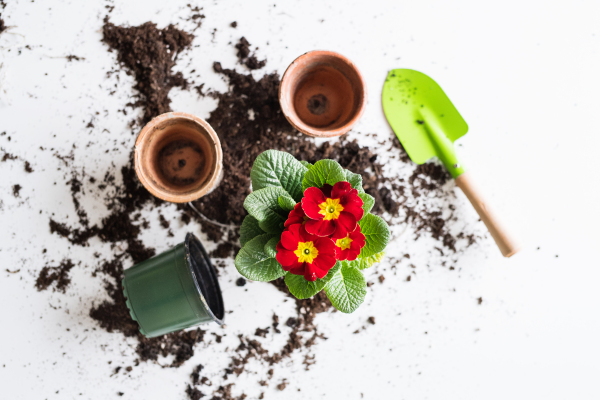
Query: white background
[{"x": 524, "y": 74}]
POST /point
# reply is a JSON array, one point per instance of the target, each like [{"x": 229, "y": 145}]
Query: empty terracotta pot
[
  {"x": 178, "y": 157},
  {"x": 322, "y": 94}
]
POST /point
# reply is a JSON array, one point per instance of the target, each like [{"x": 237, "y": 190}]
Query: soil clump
[{"x": 149, "y": 54}]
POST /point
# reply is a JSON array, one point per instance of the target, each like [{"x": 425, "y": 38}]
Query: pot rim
[
  {"x": 141, "y": 173},
  {"x": 295, "y": 120}
]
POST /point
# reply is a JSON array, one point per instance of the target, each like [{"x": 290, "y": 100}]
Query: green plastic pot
[{"x": 174, "y": 290}]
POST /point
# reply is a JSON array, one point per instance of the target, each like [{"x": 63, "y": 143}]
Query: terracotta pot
[
  {"x": 322, "y": 94},
  {"x": 178, "y": 157}
]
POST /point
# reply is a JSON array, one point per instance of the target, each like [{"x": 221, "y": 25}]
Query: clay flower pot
[
  {"x": 322, "y": 94},
  {"x": 178, "y": 157}
]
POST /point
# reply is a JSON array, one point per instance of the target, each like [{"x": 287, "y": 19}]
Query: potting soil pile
[{"x": 248, "y": 120}]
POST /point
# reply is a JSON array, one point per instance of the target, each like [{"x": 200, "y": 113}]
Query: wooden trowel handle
[{"x": 507, "y": 244}]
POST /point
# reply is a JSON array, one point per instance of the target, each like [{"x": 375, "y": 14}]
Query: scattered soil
[
  {"x": 72, "y": 57},
  {"x": 195, "y": 15},
  {"x": 302, "y": 337},
  {"x": 150, "y": 54},
  {"x": 2, "y": 25},
  {"x": 7, "y": 156},
  {"x": 16, "y": 189},
  {"x": 240, "y": 282},
  {"x": 57, "y": 277},
  {"x": 244, "y": 56}
]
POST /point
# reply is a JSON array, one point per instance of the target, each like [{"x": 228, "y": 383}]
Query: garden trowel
[{"x": 427, "y": 124}]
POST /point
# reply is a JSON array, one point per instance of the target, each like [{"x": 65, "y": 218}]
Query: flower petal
[
  {"x": 304, "y": 236},
  {"x": 320, "y": 228},
  {"x": 344, "y": 224},
  {"x": 310, "y": 203},
  {"x": 297, "y": 269},
  {"x": 343, "y": 254},
  {"x": 322, "y": 264},
  {"x": 309, "y": 273},
  {"x": 286, "y": 258},
  {"x": 296, "y": 216},
  {"x": 325, "y": 245},
  {"x": 353, "y": 204},
  {"x": 290, "y": 238},
  {"x": 340, "y": 189},
  {"x": 352, "y": 254},
  {"x": 358, "y": 239}
]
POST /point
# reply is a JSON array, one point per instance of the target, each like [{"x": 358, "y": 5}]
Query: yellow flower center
[
  {"x": 331, "y": 209},
  {"x": 306, "y": 252},
  {"x": 344, "y": 243}
]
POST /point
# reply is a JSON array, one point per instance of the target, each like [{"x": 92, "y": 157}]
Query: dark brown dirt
[
  {"x": 16, "y": 189},
  {"x": 195, "y": 15},
  {"x": 244, "y": 56},
  {"x": 57, "y": 277},
  {"x": 149, "y": 54},
  {"x": 8, "y": 156},
  {"x": 72, "y": 57},
  {"x": 119, "y": 225},
  {"x": 303, "y": 336}
]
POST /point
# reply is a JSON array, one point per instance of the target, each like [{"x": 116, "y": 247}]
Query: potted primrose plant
[{"x": 310, "y": 224}]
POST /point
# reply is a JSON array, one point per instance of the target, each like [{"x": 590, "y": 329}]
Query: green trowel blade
[{"x": 423, "y": 117}]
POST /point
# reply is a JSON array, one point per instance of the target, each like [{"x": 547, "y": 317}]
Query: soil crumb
[
  {"x": 57, "y": 277},
  {"x": 16, "y": 189},
  {"x": 2, "y": 25},
  {"x": 28, "y": 168},
  {"x": 72, "y": 57},
  {"x": 244, "y": 56}
]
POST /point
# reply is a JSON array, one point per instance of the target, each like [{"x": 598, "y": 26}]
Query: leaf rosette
[{"x": 310, "y": 224}]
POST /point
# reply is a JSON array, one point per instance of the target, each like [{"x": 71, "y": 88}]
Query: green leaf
[
  {"x": 355, "y": 180},
  {"x": 347, "y": 289},
  {"x": 249, "y": 230},
  {"x": 255, "y": 264},
  {"x": 280, "y": 169},
  {"x": 271, "y": 246},
  {"x": 263, "y": 205},
  {"x": 303, "y": 289},
  {"x": 286, "y": 203},
  {"x": 324, "y": 171},
  {"x": 377, "y": 234},
  {"x": 306, "y": 164},
  {"x": 368, "y": 202},
  {"x": 366, "y": 262}
]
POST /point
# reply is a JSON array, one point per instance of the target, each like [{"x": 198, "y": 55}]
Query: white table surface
[{"x": 524, "y": 74}]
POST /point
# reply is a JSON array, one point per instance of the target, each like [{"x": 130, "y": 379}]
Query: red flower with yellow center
[
  {"x": 349, "y": 246},
  {"x": 301, "y": 253},
  {"x": 336, "y": 214},
  {"x": 296, "y": 216}
]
